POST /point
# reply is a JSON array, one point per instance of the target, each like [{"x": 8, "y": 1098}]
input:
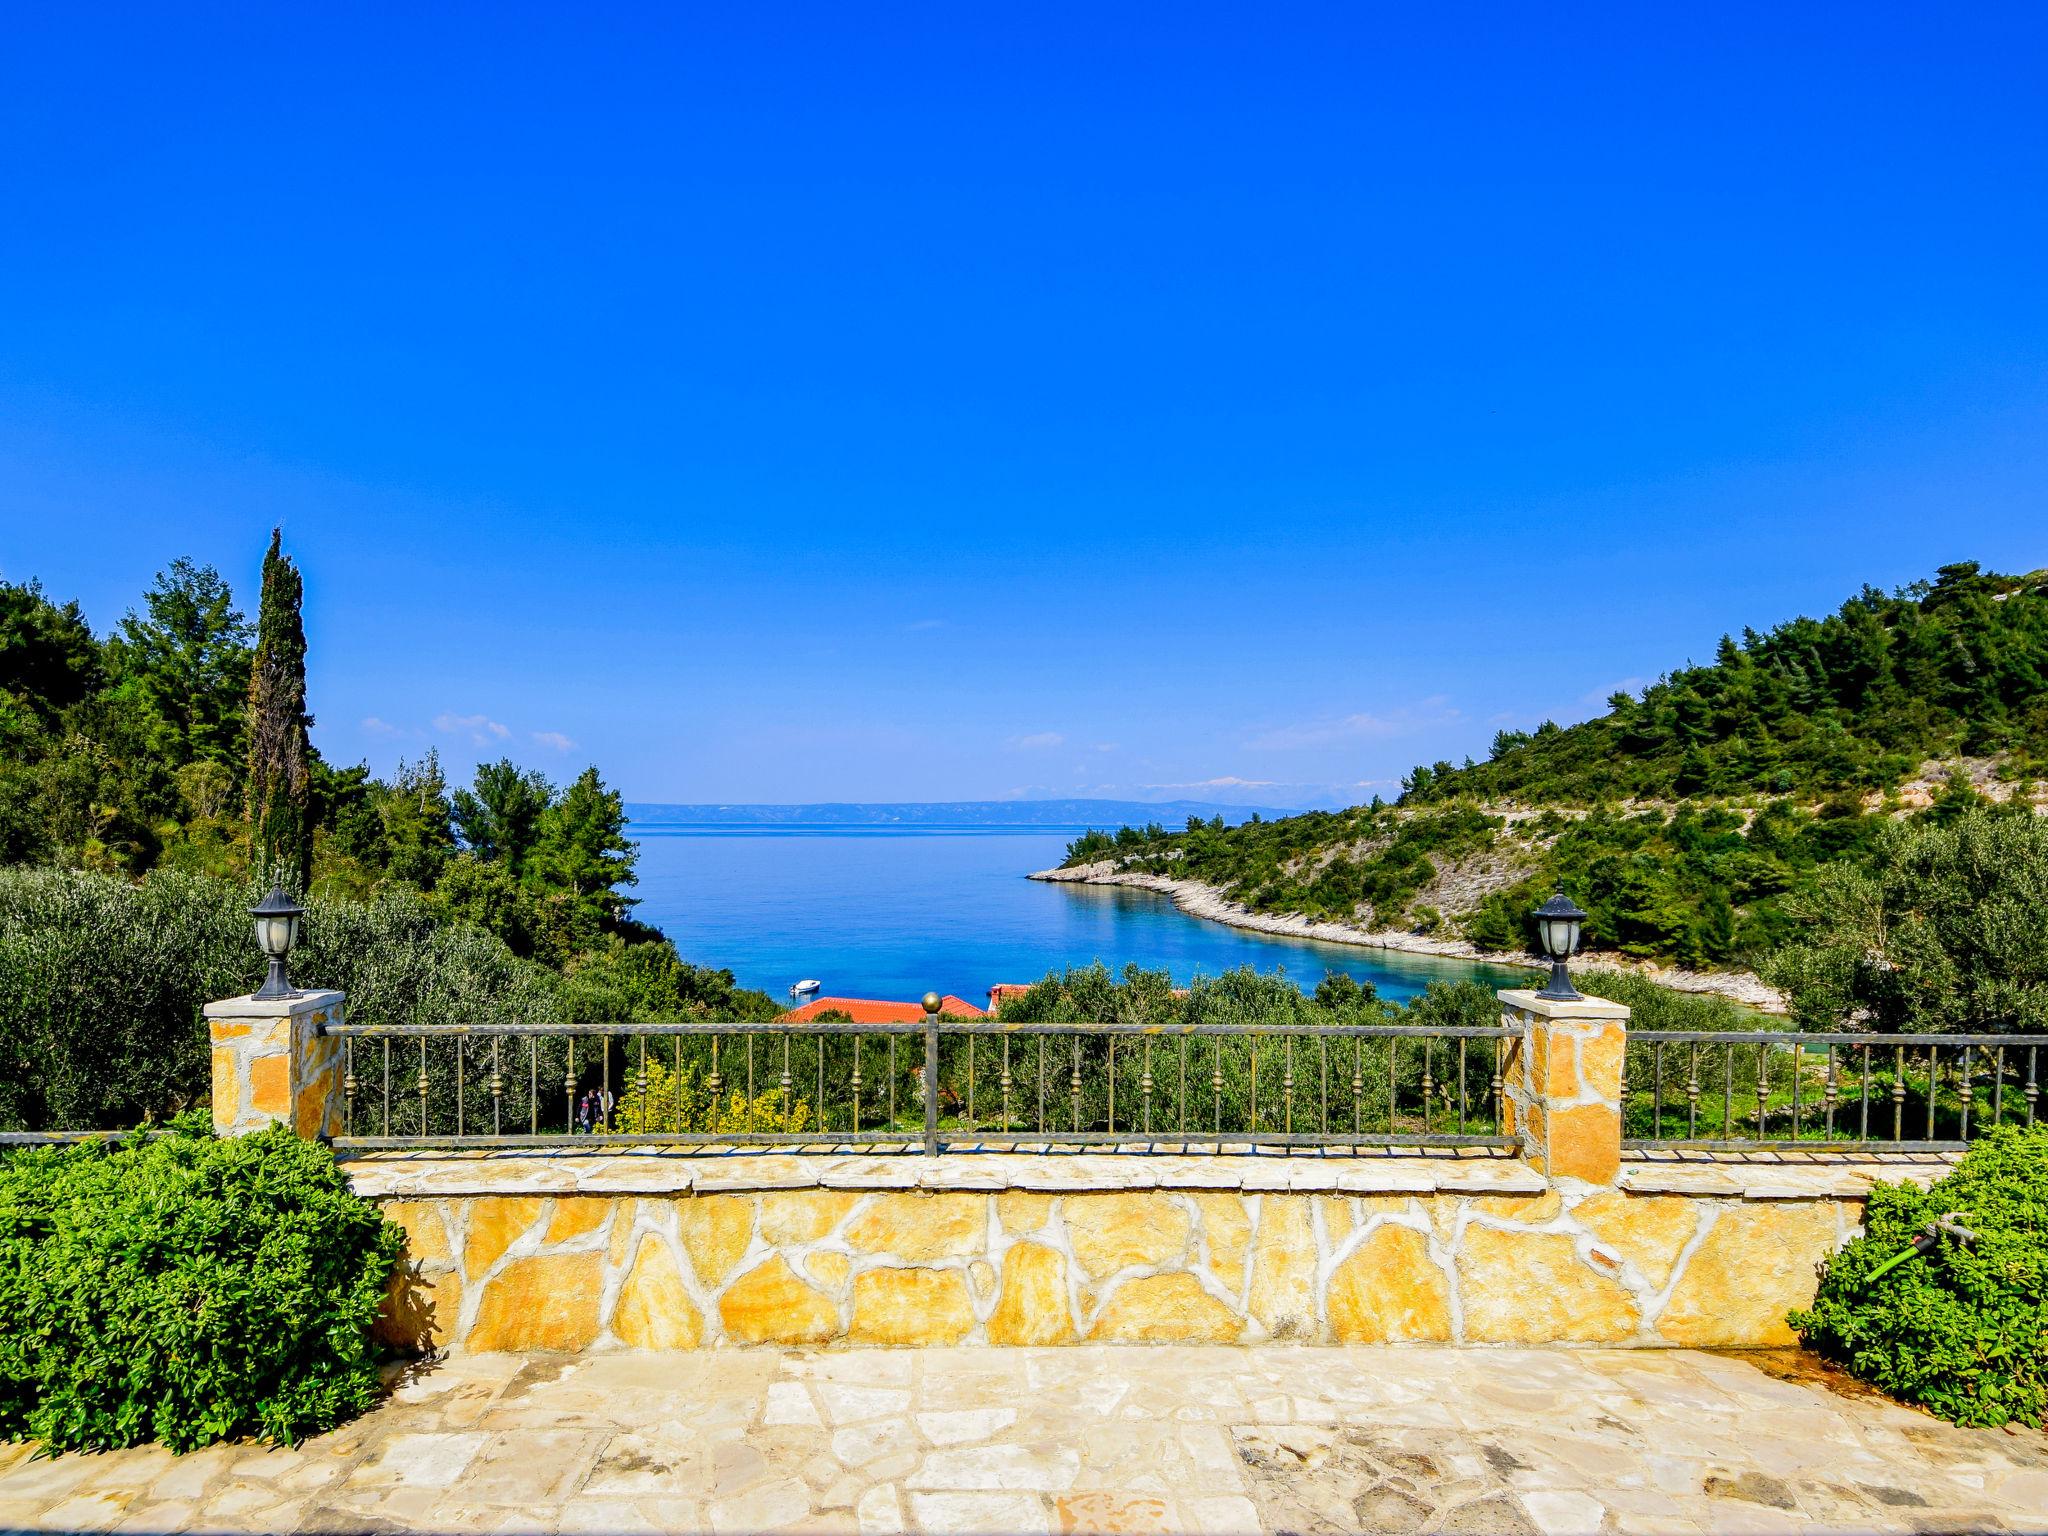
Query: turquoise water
[{"x": 893, "y": 913}]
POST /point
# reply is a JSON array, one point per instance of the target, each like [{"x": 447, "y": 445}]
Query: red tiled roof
[{"x": 868, "y": 1010}]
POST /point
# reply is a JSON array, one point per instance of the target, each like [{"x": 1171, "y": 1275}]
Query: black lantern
[
  {"x": 1557, "y": 924},
  {"x": 277, "y": 930}
]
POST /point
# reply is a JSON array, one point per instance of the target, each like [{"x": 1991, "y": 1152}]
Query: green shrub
[
  {"x": 1962, "y": 1331},
  {"x": 185, "y": 1289}
]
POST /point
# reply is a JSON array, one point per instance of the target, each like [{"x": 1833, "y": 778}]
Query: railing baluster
[
  {"x": 1145, "y": 1087},
  {"x": 1006, "y": 1085},
  {"x": 2033, "y": 1090},
  {"x": 1181, "y": 1112},
  {"x": 1966, "y": 1091},
  {"x": 856, "y": 1085},
  {"x": 1656, "y": 1094},
  {"x": 497, "y": 1091},
  {"x": 1728, "y": 1091},
  {"x": 1933, "y": 1085},
  {"x": 1074, "y": 1086},
  {"x": 1461, "y": 1085},
  {"x": 1216, "y": 1081},
  {"x": 1692, "y": 1093},
  {"x": 1287, "y": 1087},
  {"x": 460, "y": 1073},
  {"x": 387, "y": 1088},
  {"x": 1393, "y": 1051},
  {"x": 1323, "y": 1051},
  {"x": 423, "y": 1085},
  {"x": 1358, "y": 1087},
  {"x": 1428, "y": 1083},
  {"x": 348, "y": 1084},
  {"x": 1041, "y": 1084},
  {"x": 1899, "y": 1095},
  {"x": 1863, "y": 1096},
  {"x": 1763, "y": 1088},
  {"x": 1831, "y": 1094},
  {"x": 1798, "y": 1071},
  {"x": 1253, "y": 1128}
]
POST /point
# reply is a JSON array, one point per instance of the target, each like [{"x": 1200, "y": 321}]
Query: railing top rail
[
  {"x": 1798, "y": 1037},
  {"x": 802, "y": 1027}
]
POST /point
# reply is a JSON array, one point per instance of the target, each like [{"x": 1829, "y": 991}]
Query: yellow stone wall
[{"x": 1572, "y": 1265}]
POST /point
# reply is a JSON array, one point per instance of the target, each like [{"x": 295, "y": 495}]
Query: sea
[{"x": 894, "y": 912}]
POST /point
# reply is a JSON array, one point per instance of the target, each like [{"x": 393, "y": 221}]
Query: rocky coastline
[{"x": 1205, "y": 901}]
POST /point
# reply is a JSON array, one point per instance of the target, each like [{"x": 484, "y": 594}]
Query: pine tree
[{"x": 280, "y": 783}]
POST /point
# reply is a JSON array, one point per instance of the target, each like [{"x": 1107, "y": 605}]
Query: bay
[{"x": 894, "y": 912}]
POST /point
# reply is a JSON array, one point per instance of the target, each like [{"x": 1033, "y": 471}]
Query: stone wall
[
  {"x": 596, "y": 1254},
  {"x": 1558, "y": 1242}
]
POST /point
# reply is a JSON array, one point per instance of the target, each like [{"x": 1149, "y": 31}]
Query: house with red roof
[{"x": 869, "y": 1010}]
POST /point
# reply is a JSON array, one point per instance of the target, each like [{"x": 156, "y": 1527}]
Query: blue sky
[{"x": 878, "y": 402}]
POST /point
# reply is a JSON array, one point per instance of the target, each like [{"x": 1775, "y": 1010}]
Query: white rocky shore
[{"x": 1200, "y": 900}]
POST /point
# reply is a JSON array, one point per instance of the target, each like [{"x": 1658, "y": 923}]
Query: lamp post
[
  {"x": 277, "y": 930},
  {"x": 1557, "y": 924}
]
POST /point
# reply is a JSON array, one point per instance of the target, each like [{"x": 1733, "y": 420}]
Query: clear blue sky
[{"x": 881, "y": 403}]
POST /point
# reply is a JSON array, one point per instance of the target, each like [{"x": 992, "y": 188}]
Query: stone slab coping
[
  {"x": 646, "y": 1171},
  {"x": 1788, "y": 1176}
]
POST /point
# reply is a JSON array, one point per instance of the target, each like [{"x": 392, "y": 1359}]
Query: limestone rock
[
  {"x": 1530, "y": 1288},
  {"x": 1650, "y": 1231},
  {"x": 770, "y": 1305},
  {"x": 714, "y": 1230},
  {"x": 1110, "y": 1232},
  {"x": 1388, "y": 1292},
  {"x": 1033, "y": 1306},
  {"x": 496, "y": 1222},
  {"x": 1227, "y": 1228},
  {"x": 654, "y": 1310},
  {"x": 548, "y": 1301},
  {"x": 803, "y": 1216},
  {"x": 1284, "y": 1268},
  {"x": 922, "y": 1226},
  {"x": 576, "y": 1215},
  {"x": 911, "y": 1306},
  {"x": 1755, "y": 1264},
  {"x": 1165, "y": 1309}
]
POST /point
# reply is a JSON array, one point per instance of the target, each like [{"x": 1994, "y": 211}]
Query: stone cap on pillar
[
  {"x": 254, "y": 1007},
  {"x": 1562, "y": 1007}
]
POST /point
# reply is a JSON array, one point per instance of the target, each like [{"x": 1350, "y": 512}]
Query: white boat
[{"x": 803, "y": 989}]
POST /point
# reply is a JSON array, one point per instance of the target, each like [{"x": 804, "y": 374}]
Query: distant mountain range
[{"x": 1064, "y": 814}]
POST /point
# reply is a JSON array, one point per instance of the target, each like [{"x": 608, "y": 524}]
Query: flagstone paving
[{"x": 1091, "y": 1439}]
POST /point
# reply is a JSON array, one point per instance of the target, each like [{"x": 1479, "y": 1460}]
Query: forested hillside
[
  {"x": 177, "y": 742},
  {"x": 1688, "y": 819}
]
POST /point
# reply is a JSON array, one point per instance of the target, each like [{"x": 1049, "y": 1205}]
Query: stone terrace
[{"x": 1083, "y": 1439}]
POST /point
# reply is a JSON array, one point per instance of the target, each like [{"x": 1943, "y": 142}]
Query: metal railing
[
  {"x": 924, "y": 1086},
  {"x": 1832, "y": 1092}
]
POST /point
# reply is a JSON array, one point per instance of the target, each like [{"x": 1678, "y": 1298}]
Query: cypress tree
[{"x": 280, "y": 780}]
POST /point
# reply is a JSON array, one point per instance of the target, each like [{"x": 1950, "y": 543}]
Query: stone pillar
[
  {"x": 1564, "y": 1084},
  {"x": 272, "y": 1064}
]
